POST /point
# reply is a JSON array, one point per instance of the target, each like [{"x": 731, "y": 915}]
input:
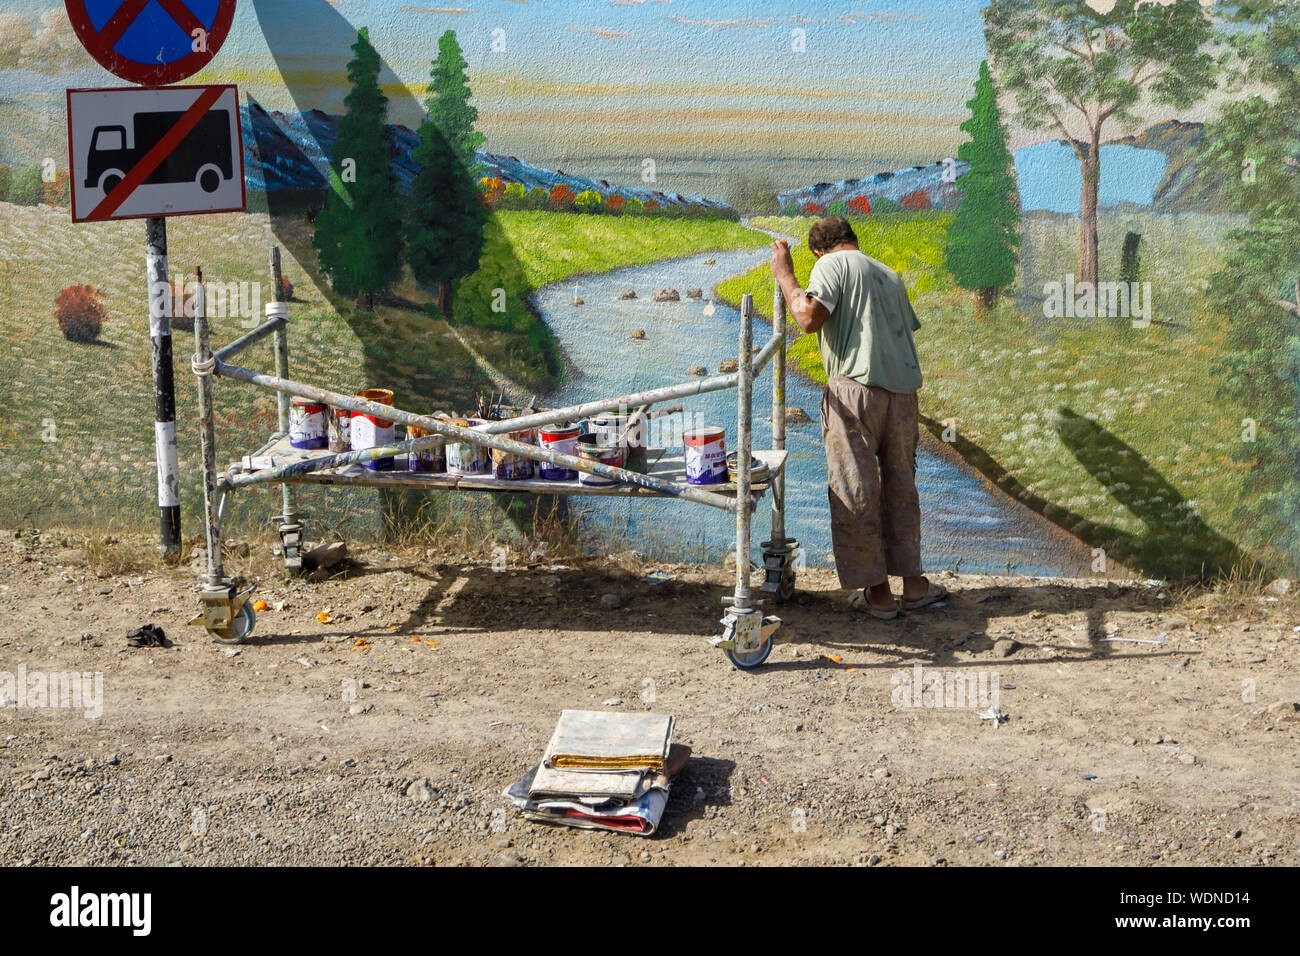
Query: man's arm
[{"x": 808, "y": 313}]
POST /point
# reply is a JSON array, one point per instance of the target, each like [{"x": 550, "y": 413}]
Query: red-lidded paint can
[
  {"x": 562, "y": 438},
  {"x": 307, "y": 424},
  {"x": 706, "y": 456},
  {"x": 371, "y": 432}
]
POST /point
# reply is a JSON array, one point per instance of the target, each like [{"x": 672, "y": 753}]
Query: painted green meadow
[
  {"x": 1118, "y": 434},
  {"x": 76, "y": 434}
]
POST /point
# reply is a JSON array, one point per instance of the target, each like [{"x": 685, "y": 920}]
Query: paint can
[
  {"x": 510, "y": 467},
  {"x": 371, "y": 432},
  {"x": 562, "y": 438},
  {"x": 706, "y": 455},
  {"x": 340, "y": 429},
  {"x": 307, "y": 424},
  {"x": 465, "y": 457},
  {"x": 590, "y": 448},
  {"x": 612, "y": 429},
  {"x": 430, "y": 460},
  {"x": 758, "y": 470}
]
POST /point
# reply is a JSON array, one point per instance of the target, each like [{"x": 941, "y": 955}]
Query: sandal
[
  {"x": 934, "y": 593},
  {"x": 858, "y": 601}
]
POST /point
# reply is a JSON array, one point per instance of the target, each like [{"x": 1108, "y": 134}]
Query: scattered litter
[
  {"x": 763, "y": 780},
  {"x": 612, "y": 702},
  {"x": 994, "y": 715},
  {"x": 1168, "y": 747},
  {"x": 1089, "y": 776},
  {"x": 658, "y": 577},
  {"x": 150, "y": 635},
  {"x": 260, "y": 606},
  {"x": 1127, "y": 640},
  {"x": 325, "y": 617},
  {"x": 835, "y": 658}
]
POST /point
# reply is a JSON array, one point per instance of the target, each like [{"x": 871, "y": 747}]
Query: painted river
[{"x": 963, "y": 519}]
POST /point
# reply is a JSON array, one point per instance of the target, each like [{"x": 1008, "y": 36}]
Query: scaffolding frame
[{"x": 746, "y": 635}]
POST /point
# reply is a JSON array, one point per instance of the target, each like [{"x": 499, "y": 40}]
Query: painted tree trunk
[
  {"x": 987, "y": 297},
  {"x": 1088, "y": 216},
  {"x": 444, "y": 299}
]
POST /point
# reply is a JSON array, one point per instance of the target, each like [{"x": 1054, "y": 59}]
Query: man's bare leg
[
  {"x": 915, "y": 588},
  {"x": 882, "y": 598}
]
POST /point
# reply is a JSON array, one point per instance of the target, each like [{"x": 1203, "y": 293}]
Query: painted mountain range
[
  {"x": 291, "y": 151},
  {"x": 1155, "y": 169}
]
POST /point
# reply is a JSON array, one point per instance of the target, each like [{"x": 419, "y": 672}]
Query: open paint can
[
  {"x": 371, "y": 432},
  {"x": 562, "y": 438},
  {"x": 591, "y": 449},
  {"x": 431, "y": 459},
  {"x": 465, "y": 457},
  {"x": 706, "y": 455},
  {"x": 307, "y": 424},
  {"x": 510, "y": 467},
  {"x": 340, "y": 429},
  {"x": 611, "y": 428}
]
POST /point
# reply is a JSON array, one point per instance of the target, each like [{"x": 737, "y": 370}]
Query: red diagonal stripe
[
  {"x": 119, "y": 21},
  {"x": 153, "y": 159},
  {"x": 183, "y": 16}
]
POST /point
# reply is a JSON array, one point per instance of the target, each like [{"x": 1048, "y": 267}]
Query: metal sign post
[
  {"x": 154, "y": 152},
  {"x": 164, "y": 386}
]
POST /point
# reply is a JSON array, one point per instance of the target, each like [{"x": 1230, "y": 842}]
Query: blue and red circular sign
[{"x": 152, "y": 42}]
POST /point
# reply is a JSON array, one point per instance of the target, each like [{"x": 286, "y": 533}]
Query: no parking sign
[{"x": 152, "y": 42}]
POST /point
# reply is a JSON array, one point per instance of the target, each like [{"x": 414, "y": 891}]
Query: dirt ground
[{"x": 387, "y": 735}]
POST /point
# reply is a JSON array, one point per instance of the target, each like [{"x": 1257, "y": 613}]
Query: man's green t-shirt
[{"x": 868, "y": 337}]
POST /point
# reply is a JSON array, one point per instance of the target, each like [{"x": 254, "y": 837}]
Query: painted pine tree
[
  {"x": 444, "y": 230},
  {"x": 981, "y": 243},
  {"x": 358, "y": 235}
]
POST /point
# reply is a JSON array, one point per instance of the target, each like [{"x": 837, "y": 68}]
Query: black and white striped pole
[{"x": 164, "y": 386}]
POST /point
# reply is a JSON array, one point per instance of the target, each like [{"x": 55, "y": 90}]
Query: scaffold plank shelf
[{"x": 669, "y": 467}]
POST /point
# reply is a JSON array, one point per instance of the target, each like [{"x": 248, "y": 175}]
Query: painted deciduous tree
[
  {"x": 444, "y": 230},
  {"x": 1069, "y": 64},
  {"x": 980, "y": 246},
  {"x": 1253, "y": 153},
  {"x": 358, "y": 234}
]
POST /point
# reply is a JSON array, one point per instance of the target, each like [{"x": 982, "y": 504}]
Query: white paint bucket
[
  {"x": 464, "y": 457},
  {"x": 371, "y": 432},
  {"x": 562, "y": 438},
  {"x": 307, "y": 424},
  {"x": 706, "y": 455}
]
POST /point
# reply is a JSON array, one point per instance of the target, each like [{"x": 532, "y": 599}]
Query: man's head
[{"x": 830, "y": 232}]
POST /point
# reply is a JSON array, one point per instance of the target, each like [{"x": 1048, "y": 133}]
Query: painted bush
[
  {"x": 616, "y": 204},
  {"x": 916, "y": 200},
  {"x": 859, "y": 206},
  {"x": 80, "y": 312},
  {"x": 588, "y": 201},
  {"x": 561, "y": 198}
]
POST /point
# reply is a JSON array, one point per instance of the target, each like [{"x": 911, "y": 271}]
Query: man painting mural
[{"x": 863, "y": 319}]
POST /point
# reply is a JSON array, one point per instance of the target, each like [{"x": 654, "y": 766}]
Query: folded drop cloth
[{"x": 609, "y": 741}]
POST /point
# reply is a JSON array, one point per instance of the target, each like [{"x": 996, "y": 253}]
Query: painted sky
[{"x": 709, "y": 89}]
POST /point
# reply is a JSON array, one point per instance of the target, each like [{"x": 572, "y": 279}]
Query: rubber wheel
[
  {"x": 753, "y": 659},
  {"x": 785, "y": 588},
  {"x": 240, "y": 628}
]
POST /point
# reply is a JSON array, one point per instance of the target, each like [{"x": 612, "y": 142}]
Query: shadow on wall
[
  {"x": 384, "y": 335},
  {"x": 1176, "y": 544}
]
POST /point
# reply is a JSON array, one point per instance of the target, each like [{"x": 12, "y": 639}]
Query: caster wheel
[
  {"x": 239, "y": 629},
  {"x": 749, "y": 660},
  {"x": 785, "y": 589}
]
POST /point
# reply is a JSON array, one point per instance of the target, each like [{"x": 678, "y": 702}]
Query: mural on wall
[{"x": 1095, "y": 206}]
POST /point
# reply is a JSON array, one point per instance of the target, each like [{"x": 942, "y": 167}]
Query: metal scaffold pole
[{"x": 164, "y": 386}]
